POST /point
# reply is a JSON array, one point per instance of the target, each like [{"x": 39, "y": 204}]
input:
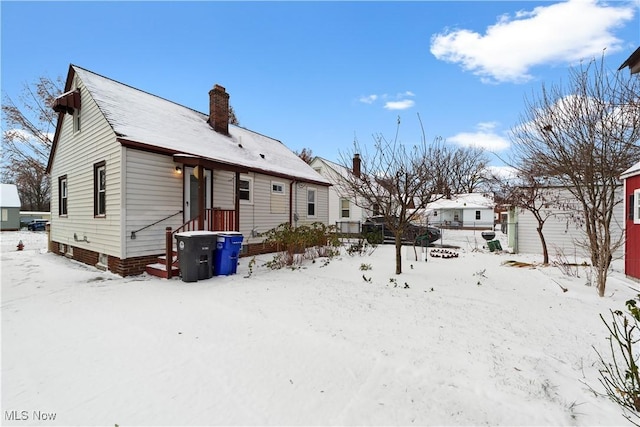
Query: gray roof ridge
[{"x": 137, "y": 89}]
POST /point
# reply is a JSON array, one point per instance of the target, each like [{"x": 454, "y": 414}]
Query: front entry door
[{"x": 191, "y": 207}]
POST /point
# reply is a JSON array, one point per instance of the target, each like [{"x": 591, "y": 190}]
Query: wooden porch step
[
  {"x": 163, "y": 258},
  {"x": 160, "y": 270}
]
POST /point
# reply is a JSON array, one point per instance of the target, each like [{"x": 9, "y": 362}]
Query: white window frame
[
  {"x": 636, "y": 206},
  {"x": 77, "y": 124},
  {"x": 100, "y": 188},
  {"x": 250, "y": 190},
  {"x": 277, "y": 187},
  {"x": 311, "y": 191},
  {"x": 63, "y": 209},
  {"x": 5, "y": 214},
  {"x": 103, "y": 261},
  {"x": 342, "y": 209}
]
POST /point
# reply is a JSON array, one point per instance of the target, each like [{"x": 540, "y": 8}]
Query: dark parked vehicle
[
  {"x": 37, "y": 225},
  {"x": 413, "y": 233}
]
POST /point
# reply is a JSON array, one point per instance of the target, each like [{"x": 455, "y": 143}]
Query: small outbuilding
[
  {"x": 631, "y": 178},
  {"x": 9, "y": 207}
]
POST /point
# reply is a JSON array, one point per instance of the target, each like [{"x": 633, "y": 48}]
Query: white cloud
[
  {"x": 485, "y": 137},
  {"x": 397, "y": 102},
  {"x": 559, "y": 33},
  {"x": 369, "y": 99},
  {"x": 503, "y": 172},
  {"x": 399, "y": 105}
]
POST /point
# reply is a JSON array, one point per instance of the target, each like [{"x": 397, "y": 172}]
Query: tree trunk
[
  {"x": 398, "y": 253},
  {"x": 545, "y": 250}
]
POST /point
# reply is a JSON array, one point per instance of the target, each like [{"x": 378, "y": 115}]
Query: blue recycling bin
[{"x": 225, "y": 259}]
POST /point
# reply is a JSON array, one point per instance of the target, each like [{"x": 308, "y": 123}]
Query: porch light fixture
[{"x": 178, "y": 170}]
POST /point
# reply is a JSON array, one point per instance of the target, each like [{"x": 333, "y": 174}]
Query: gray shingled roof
[{"x": 143, "y": 118}]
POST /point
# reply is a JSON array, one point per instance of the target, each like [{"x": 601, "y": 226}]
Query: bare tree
[
  {"x": 396, "y": 180},
  {"x": 468, "y": 169},
  {"x": 233, "y": 119},
  {"x": 584, "y": 136},
  {"x": 28, "y": 127},
  {"x": 306, "y": 154},
  {"x": 530, "y": 191}
]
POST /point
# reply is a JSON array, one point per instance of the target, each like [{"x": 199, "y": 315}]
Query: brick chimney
[
  {"x": 356, "y": 165},
  {"x": 219, "y": 109}
]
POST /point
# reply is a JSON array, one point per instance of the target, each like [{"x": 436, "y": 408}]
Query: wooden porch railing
[{"x": 214, "y": 220}]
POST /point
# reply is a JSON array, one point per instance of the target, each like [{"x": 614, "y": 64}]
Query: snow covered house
[
  {"x": 9, "y": 207},
  {"x": 631, "y": 179},
  {"x": 473, "y": 211},
  {"x": 129, "y": 169},
  {"x": 345, "y": 213}
]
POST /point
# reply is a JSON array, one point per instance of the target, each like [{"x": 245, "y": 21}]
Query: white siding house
[
  {"x": 468, "y": 210},
  {"x": 563, "y": 231},
  {"x": 344, "y": 212},
  {"x": 126, "y": 165}
]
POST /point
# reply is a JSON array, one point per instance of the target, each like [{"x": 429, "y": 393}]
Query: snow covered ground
[{"x": 453, "y": 341}]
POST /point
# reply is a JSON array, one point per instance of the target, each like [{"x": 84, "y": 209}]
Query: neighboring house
[
  {"x": 633, "y": 62},
  {"x": 631, "y": 179},
  {"x": 9, "y": 208},
  {"x": 125, "y": 165},
  {"x": 472, "y": 211},
  {"x": 563, "y": 231},
  {"x": 344, "y": 212}
]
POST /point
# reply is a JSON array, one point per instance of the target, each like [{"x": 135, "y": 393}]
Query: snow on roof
[
  {"x": 148, "y": 119},
  {"x": 633, "y": 170},
  {"x": 9, "y": 197},
  {"x": 337, "y": 168},
  {"x": 462, "y": 201}
]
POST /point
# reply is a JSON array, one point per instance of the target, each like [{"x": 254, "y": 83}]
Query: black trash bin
[{"x": 195, "y": 254}]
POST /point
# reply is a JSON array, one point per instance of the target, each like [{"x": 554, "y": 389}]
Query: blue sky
[{"x": 319, "y": 74}]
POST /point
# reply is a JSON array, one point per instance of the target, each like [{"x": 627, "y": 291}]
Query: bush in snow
[
  {"x": 298, "y": 243},
  {"x": 620, "y": 377}
]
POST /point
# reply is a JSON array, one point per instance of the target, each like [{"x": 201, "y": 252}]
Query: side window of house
[
  {"x": 76, "y": 111},
  {"x": 76, "y": 120},
  {"x": 245, "y": 189},
  {"x": 311, "y": 202},
  {"x": 62, "y": 195},
  {"x": 344, "y": 208},
  {"x": 636, "y": 202},
  {"x": 277, "y": 187},
  {"x": 477, "y": 214},
  {"x": 100, "y": 189}
]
